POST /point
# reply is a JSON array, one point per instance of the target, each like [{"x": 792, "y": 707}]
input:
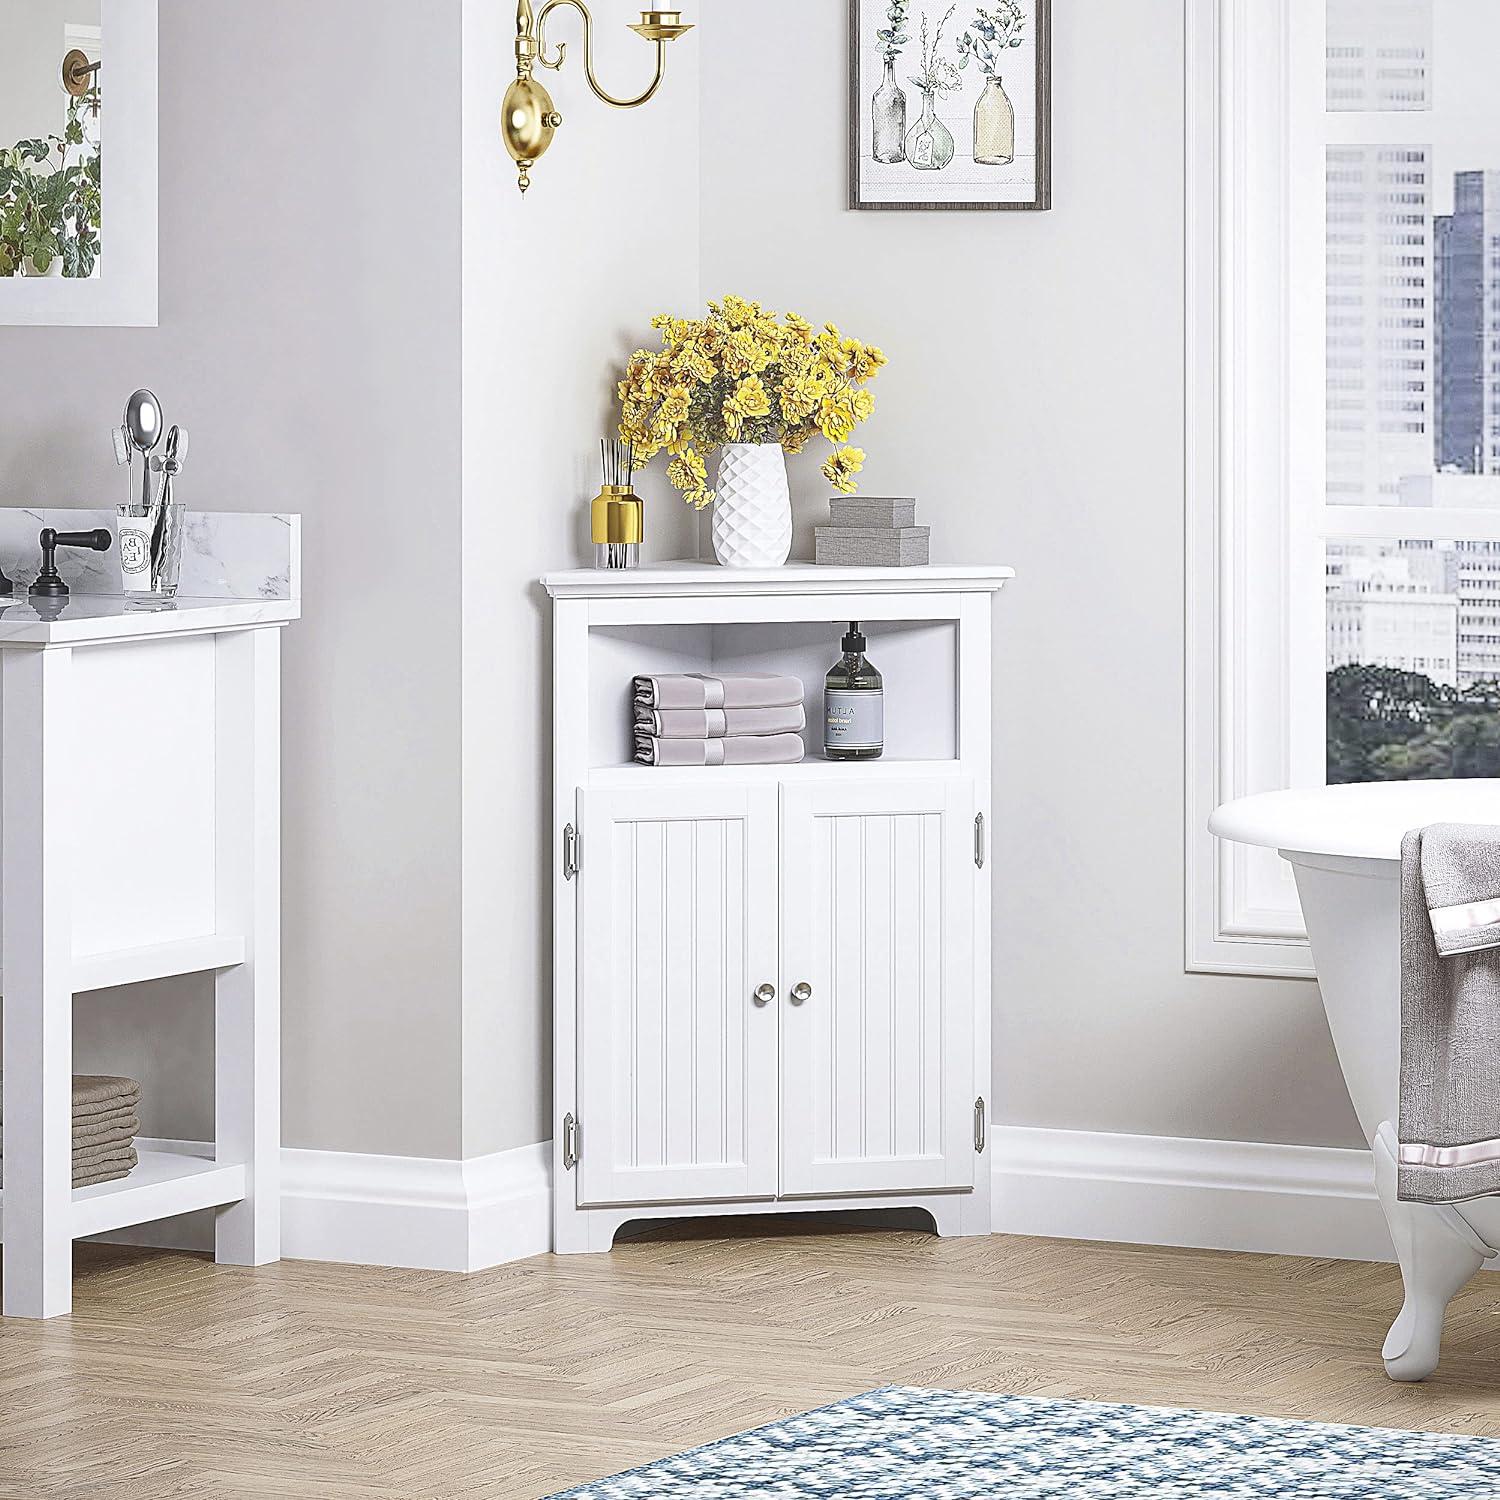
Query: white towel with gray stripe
[
  {"x": 1450, "y": 1014},
  {"x": 716, "y": 723},
  {"x": 734, "y": 750},
  {"x": 732, "y": 690}
]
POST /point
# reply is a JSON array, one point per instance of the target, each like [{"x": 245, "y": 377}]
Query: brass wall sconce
[
  {"x": 528, "y": 118},
  {"x": 80, "y": 77}
]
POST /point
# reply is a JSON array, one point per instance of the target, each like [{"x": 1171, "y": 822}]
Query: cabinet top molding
[{"x": 679, "y": 580}]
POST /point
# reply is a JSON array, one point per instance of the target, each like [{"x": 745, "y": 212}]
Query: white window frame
[{"x": 1256, "y": 540}]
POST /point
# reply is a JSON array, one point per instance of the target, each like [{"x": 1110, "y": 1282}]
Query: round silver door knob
[
  {"x": 765, "y": 994},
  {"x": 801, "y": 993}
]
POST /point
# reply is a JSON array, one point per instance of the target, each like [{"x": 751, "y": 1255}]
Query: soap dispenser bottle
[{"x": 853, "y": 704}]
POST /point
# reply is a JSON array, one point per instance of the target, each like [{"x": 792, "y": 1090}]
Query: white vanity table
[
  {"x": 139, "y": 820},
  {"x": 857, "y": 894}
]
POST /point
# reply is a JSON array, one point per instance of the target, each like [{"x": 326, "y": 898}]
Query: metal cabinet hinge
[
  {"x": 979, "y": 840},
  {"x": 571, "y": 853},
  {"x": 570, "y": 1143},
  {"x": 979, "y": 1126}
]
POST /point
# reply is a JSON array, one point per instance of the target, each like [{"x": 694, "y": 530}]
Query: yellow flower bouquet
[{"x": 745, "y": 375}]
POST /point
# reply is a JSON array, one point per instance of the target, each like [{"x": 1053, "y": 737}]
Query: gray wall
[
  {"x": 1035, "y": 402},
  {"x": 310, "y": 338}
]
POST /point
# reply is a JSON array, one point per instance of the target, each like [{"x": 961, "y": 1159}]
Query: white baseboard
[
  {"x": 396, "y": 1210},
  {"x": 1061, "y": 1184},
  {"x": 510, "y": 1205},
  {"x": 1210, "y": 1195},
  {"x": 409, "y": 1211}
]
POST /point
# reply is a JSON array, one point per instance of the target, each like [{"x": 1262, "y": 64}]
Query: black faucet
[{"x": 48, "y": 584}]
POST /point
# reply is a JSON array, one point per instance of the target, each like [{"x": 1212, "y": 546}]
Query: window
[{"x": 1344, "y": 423}]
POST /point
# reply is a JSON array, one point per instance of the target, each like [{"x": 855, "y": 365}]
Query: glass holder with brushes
[{"x": 617, "y": 519}]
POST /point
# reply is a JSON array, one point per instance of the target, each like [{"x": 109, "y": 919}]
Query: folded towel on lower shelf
[
  {"x": 732, "y": 750},
  {"x": 123, "y": 1128},
  {"x": 92, "y": 1161},
  {"x": 116, "y": 1127},
  {"x": 95, "y": 1095},
  {"x": 100, "y": 1127},
  {"x": 106, "y": 1168},
  {"x": 732, "y": 690},
  {"x": 101, "y": 1091},
  {"x": 718, "y": 723},
  {"x": 111, "y": 1172}
]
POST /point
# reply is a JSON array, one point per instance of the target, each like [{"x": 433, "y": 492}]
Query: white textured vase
[{"x": 753, "y": 509}]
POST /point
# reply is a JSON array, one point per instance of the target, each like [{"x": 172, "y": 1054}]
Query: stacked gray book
[{"x": 867, "y": 531}]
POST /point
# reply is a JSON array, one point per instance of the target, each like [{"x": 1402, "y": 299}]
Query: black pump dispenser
[{"x": 853, "y": 704}]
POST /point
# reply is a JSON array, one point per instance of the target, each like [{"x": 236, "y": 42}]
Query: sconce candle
[{"x": 528, "y": 117}]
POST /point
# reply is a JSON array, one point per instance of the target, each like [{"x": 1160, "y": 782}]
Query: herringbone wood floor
[{"x": 176, "y": 1377}]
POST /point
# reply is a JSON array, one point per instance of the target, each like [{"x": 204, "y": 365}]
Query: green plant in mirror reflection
[{"x": 50, "y": 200}]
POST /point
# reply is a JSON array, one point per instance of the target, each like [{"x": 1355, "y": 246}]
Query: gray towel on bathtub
[
  {"x": 732, "y": 690},
  {"x": 717, "y": 723},
  {"x": 1461, "y": 884},
  {"x": 1450, "y": 1014}
]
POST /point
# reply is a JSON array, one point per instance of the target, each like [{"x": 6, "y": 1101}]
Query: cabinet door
[
  {"x": 877, "y": 918},
  {"x": 677, "y": 929}
]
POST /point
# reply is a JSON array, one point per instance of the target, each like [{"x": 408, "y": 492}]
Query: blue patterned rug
[{"x": 901, "y": 1444}]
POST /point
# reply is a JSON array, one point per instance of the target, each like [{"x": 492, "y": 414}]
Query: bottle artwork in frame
[{"x": 950, "y": 104}]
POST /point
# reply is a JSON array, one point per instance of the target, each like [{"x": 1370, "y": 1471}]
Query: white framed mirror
[{"x": 78, "y": 163}]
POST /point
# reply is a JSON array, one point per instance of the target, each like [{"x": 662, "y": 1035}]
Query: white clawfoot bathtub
[{"x": 1344, "y": 845}]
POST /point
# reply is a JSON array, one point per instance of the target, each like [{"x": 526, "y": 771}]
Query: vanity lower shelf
[
  {"x": 162, "y": 1184},
  {"x": 199, "y": 955}
]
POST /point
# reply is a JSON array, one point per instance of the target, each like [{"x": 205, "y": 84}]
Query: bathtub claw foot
[{"x": 1437, "y": 1259}]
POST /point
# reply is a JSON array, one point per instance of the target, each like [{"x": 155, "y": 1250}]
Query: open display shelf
[
  {"x": 163, "y": 1183},
  {"x": 918, "y": 660}
]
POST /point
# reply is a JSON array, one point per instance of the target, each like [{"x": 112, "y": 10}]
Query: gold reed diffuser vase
[{"x": 617, "y": 519}]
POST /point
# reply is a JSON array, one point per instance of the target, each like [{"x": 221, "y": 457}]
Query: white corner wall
[
  {"x": 558, "y": 288},
  {"x": 1034, "y": 403}
]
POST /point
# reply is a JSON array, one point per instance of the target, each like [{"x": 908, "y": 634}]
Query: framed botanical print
[{"x": 950, "y": 104}]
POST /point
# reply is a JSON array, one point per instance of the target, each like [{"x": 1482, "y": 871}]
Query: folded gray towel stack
[
  {"x": 1450, "y": 1014},
  {"x": 105, "y": 1122},
  {"x": 739, "y": 719}
]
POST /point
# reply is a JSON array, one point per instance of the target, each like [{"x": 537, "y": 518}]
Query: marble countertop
[
  {"x": 239, "y": 570},
  {"x": 79, "y": 619}
]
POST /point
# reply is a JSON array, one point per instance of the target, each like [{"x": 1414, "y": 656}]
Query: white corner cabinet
[
  {"x": 772, "y": 982},
  {"x": 140, "y": 824}
]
